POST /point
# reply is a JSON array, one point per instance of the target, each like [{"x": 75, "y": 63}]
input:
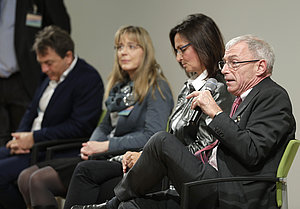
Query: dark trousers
[
  {"x": 13, "y": 103},
  {"x": 10, "y": 168},
  {"x": 165, "y": 155},
  {"x": 88, "y": 179}
]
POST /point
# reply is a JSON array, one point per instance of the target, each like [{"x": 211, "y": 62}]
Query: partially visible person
[
  {"x": 67, "y": 105},
  {"x": 251, "y": 141},
  {"x": 198, "y": 46},
  {"x": 20, "y": 73},
  {"x": 139, "y": 102}
]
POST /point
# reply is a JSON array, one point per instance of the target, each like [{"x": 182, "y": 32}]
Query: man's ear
[
  {"x": 261, "y": 68},
  {"x": 69, "y": 56}
]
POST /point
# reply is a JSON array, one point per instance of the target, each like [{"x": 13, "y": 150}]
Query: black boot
[
  {"x": 96, "y": 206},
  {"x": 45, "y": 207}
]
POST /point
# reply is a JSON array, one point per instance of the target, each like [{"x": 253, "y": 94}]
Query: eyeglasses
[
  {"x": 181, "y": 50},
  {"x": 130, "y": 47},
  {"x": 233, "y": 64}
]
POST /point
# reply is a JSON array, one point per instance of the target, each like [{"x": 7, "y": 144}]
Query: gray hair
[{"x": 259, "y": 48}]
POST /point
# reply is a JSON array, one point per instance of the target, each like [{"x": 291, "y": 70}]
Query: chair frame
[
  {"x": 58, "y": 145},
  {"x": 44, "y": 146}
]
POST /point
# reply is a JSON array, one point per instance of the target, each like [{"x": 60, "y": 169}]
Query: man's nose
[
  {"x": 225, "y": 69},
  {"x": 45, "y": 68}
]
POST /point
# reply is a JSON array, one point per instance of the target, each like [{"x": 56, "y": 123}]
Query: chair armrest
[
  {"x": 110, "y": 154},
  {"x": 42, "y": 146},
  {"x": 50, "y": 151},
  {"x": 187, "y": 187},
  {"x": 229, "y": 179}
]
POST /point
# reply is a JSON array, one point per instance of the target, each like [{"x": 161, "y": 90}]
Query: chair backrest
[
  {"x": 287, "y": 158},
  {"x": 283, "y": 169},
  {"x": 102, "y": 116}
]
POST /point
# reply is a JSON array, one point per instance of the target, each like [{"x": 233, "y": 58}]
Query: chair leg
[
  {"x": 284, "y": 197},
  {"x": 60, "y": 202}
]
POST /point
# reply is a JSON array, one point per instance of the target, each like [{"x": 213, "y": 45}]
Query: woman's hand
[
  {"x": 91, "y": 147},
  {"x": 129, "y": 159}
]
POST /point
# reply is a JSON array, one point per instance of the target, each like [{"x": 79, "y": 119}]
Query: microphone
[{"x": 210, "y": 85}]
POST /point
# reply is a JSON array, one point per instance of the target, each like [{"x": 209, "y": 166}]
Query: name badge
[
  {"x": 126, "y": 112},
  {"x": 34, "y": 20}
]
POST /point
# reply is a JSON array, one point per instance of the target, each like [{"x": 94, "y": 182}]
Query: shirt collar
[
  {"x": 245, "y": 94},
  {"x": 68, "y": 70},
  {"x": 199, "y": 81},
  {"x": 65, "y": 73}
]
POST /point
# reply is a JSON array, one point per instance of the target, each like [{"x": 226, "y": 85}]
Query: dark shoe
[{"x": 98, "y": 206}]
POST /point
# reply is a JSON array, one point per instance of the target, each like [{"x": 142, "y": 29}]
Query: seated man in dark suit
[
  {"x": 251, "y": 140},
  {"x": 20, "y": 73},
  {"x": 68, "y": 104}
]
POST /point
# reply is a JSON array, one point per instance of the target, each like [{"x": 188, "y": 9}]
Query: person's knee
[
  {"x": 23, "y": 177},
  {"x": 36, "y": 179},
  {"x": 84, "y": 167},
  {"x": 159, "y": 138}
]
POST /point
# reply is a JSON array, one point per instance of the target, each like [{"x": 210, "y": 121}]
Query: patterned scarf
[{"x": 120, "y": 97}]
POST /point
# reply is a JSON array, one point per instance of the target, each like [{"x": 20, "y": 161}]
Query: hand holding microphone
[{"x": 204, "y": 102}]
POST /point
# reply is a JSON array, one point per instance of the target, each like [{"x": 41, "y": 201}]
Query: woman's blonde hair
[{"x": 147, "y": 74}]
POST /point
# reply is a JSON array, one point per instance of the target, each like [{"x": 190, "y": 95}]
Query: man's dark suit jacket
[
  {"x": 253, "y": 144},
  {"x": 74, "y": 108},
  {"x": 53, "y": 13}
]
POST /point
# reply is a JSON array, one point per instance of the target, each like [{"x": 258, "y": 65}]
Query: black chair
[
  {"x": 58, "y": 148},
  {"x": 48, "y": 150}
]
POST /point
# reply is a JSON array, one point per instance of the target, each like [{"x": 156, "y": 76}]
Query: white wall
[{"x": 94, "y": 23}]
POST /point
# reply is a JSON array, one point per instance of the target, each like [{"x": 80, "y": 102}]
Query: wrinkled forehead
[{"x": 236, "y": 51}]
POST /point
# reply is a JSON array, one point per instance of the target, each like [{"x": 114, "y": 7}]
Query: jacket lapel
[{"x": 43, "y": 87}]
